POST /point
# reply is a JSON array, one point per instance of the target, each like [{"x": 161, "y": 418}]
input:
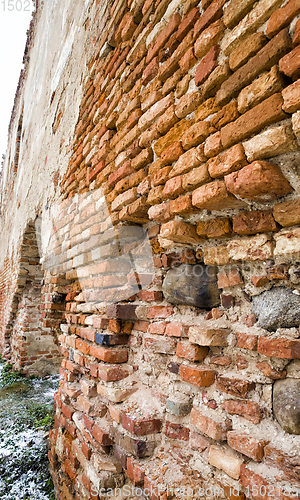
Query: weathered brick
[
  {"x": 289, "y": 64},
  {"x": 291, "y": 97},
  {"x": 176, "y": 330},
  {"x": 188, "y": 23},
  {"x": 136, "y": 447},
  {"x": 172, "y": 136},
  {"x": 248, "y": 48},
  {"x": 282, "y": 17},
  {"x": 236, "y": 10},
  {"x": 188, "y": 60},
  {"x": 212, "y": 427},
  {"x": 181, "y": 205},
  {"x": 260, "y": 181},
  {"x": 265, "y": 113},
  {"x": 160, "y": 213},
  {"x": 233, "y": 159},
  {"x": 260, "y": 221},
  {"x": 180, "y": 232},
  {"x": 212, "y": 84},
  {"x": 249, "y": 24},
  {"x": 287, "y": 213},
  {"x": 253, "y": 248},
  {"x": 229, "y": 278},
  {"x": 196, "y": 134},
  {"x": 247, "y": 444},
  {"x": 177, "y": 431},
  {"x": 167, "y": 120},
  {"x": 211, "y": 14},
  {"x": 207, "y": 65},
  {"x": 279, "y": 348},
  {"x": 208, "y": 336},
  {"x": 109, "y": 355},
  {"x": 247, "y": 409},
  {"x": 214, "y": 228},
  {"x": 262, "y": 88},
  {"x": 187, "y": 104},
  {"x": 262, "y": 61},
  {"x": 141, "y": 426},
  {"x": 190, "y": 351},
  {"x": 208, "y": 38},
  {"x": 214, "y": 196},
  {"x": 226, "y": 460},
  {"x": 269, "y": 371},
  {"x": 226, "y": 115},
  {"x": 155, "y": 111},
  {"x": 206, "y": 109},
  {"x": 236, "y": 387},
  {"x": 195, "y": 178},
  {"x": 171, "y": 153},
  {"x": 112, "y": 373},
  {"x": 163, "y": 36},
  {"x": 216, "y": 255},
  {"x": 272, "y": 142},
  {"x": 160, "y": 312},
  {"x": 201, "y": 377}
]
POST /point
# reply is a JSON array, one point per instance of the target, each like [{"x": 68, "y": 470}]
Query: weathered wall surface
[{"x": 159, "y": 146}]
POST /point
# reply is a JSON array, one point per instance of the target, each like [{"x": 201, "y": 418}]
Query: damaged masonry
[{"x": 150, "y": 245}]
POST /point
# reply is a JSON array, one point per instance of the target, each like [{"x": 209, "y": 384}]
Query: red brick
[
  {"x": 279, "y": 348},
  {"x": 150, "y": 71},
  {"x": 176, "y": 330},
  {"x": 296, "y": 37},
  {"x": 247, "y": 409},
  {"x": 247, "y": 341},
  {"x": 160, "y": 312},
  {"x": 112, "y": 373},
  {"x": 247, "y": 444},
  {"x": 229, "y": 278},
  {"x": 101, "y": 435},
  {"x": 234, "y": 386},
  {"x": 251, "y": 122},
  {"x": 259, "y": 487},
  {"x": 214, "y": 196},
  {"x": 172, "y": 153},
  {"x": 214, "y": 428},
  {"x": 198, "y": 442},
  {"x": 181, "y": 205},
  {"x": 188, "y": 23},
  {"x": 187, "y": 104},
  {"x": 207, "y": 65},
  {"x": 187, "y": 61},
  {"x": 290, "y": 64},
  {"x": 141, "y": 427},
  {"x": 269, "y": 371},
  {"x": 260, "y": 221},
  {"x": 260, "y": 181},
  {"x": 190, "y": 351},
  {"x": 211, "y": 14},
  {"x": 282, "y": 17},
  {"x": 201, "y": 377},
  {"x": 160, "y": 213},
  {"x": 195, "y": 134},
  {"x": 164, "y": 36},
  {"x": 208, "y": 38},
  {"x": 82, "y": 346},
  {"x": 109, "y": 355},
  {"x": 135, "y": 472},
  {"x": 177, "y": 431}
]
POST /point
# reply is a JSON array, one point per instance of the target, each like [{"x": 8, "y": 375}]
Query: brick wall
[{"x": 175, "y": 253}]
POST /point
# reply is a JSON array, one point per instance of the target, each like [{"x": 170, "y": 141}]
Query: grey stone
[
  {"x": 277, "y": 308},
  {"x": 286, "y": 404},
  {"x": 193, "y": 285}
]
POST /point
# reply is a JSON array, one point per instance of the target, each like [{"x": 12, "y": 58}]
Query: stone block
[
  {"x": 286, "y": 404},
  {"x": 194, "y": 285},
  {"x": 277, "y": 308}
]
